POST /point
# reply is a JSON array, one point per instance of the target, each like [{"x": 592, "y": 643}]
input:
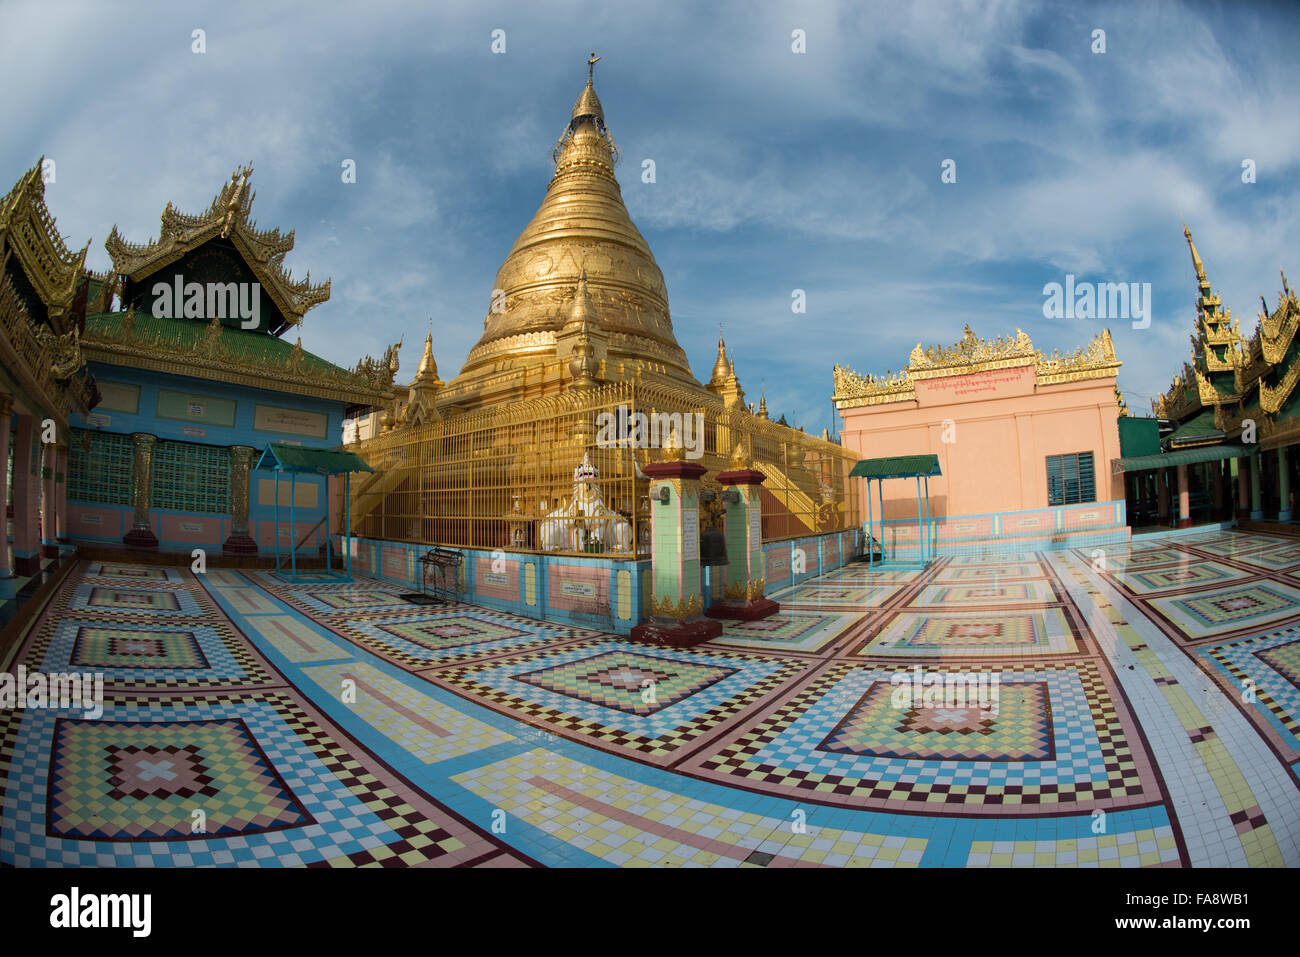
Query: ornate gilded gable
[
  {"x": 28, "y": 233},
  {"x": 227, "y": 218}
]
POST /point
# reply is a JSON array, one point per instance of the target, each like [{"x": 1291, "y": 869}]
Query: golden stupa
[{"x": 533, "y": 326}]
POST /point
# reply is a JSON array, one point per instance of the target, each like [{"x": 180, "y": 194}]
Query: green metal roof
[
  {"x": 1138, "y": 436},
  {"x": 897, "y": 466},
  {"x": 1202, "y": 453},
  {"x": 255, "y": 347},
  {"x": 296, "y": 458},
  {"x": 1198, "y": 428}
]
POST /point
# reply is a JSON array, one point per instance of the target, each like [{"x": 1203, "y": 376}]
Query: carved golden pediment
[
  {"x": 30, "y": 233},
  {"x": 227, "y": 217}
]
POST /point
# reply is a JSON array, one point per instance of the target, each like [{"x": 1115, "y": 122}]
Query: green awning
[
  {"x": 1203, "y": 453},
  {"x": 897, "y": 466},
  {"x": 296, "y": 458}
]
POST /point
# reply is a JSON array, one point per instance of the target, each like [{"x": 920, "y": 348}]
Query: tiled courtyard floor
[{"x": 1147, "y": 709}]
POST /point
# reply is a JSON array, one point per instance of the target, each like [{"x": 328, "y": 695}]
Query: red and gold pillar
[
  {"x": 677, "y": 601},
  {"x": 745, "y": 568}
]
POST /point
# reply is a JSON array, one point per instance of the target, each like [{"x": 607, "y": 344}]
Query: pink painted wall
[
  {"x": 596, "y": 577},
  {"x": 209, "y": 532},
  {"x": 1004, "y": 427},
  {"x": 507, "y": 591},
  {"x": 94, "y": 521}
]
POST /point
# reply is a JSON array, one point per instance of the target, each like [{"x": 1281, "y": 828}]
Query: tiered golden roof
[
  {"x": 228, "y": 218},
  {"x": 582, "y": 223},
  {"x": 29, "y": 233},
  {"x": 971, "y": 354}
]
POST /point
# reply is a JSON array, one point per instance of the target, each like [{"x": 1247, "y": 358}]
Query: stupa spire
[
  {"x": 720, "y": 369},
  {"x": 428, "y": 367},
  {"x": 581, "y": 225}
]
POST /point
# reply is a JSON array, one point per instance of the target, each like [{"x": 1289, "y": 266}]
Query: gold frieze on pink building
[{"x": 972, "y": 355}]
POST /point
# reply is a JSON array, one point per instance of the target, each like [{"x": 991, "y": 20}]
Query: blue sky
[{"x": 774, "y": 170}]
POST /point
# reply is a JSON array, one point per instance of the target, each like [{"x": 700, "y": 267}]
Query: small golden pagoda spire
[
  {"x": 720, "y": 368},
  {"x": 762, "y": 406},
  {"x": 428, "y": 367}
]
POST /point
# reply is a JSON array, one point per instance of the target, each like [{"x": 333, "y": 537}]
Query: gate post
[
  {"x": 745, "y": 569},
  {"x": 676, "y": 600}
]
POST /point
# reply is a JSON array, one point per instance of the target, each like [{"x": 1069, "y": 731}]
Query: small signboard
[{"x": 690, "y": 534}]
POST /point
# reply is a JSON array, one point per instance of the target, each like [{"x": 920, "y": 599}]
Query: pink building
[{"x": 1024, "y": 441}]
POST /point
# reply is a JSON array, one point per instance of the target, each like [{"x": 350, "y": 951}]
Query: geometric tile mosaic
[
  {"x": 136, "y": 573},
  {"x": 1185, "y": 575},
  {"x": 998, "y": 592},
  {"x": 1033, "y": 632},
  {"x": 788, "y": 630},
  {"x": 840, "y": 594},
  {"x": 131, "y": 780},
  {"x": 1229, "y": 608},
  {"x": 1263, "y": 673},
  {"x": 587, "y": 690},
  {"x": 177, "y": 601},
  {"x": 801, "y": 750},
  {"x": 998, "y": 571},
  {"x": 961, "y": 715},
  {"x": 1019, "y": 728}
]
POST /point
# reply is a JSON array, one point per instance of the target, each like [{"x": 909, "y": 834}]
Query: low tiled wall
[
  {"x": 795, "y": 560},
  {"x": 1067, "y": 526},
  {"x": 596, "y": 592},
  {"x": 106, "y": 524}
]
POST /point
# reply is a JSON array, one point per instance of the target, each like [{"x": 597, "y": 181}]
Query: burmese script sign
[
  {"x": 986, "y": 384},
  {"x": 274, "y": 418}
]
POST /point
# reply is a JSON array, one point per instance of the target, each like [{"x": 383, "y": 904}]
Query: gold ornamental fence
[{"x": 513, "y": 477}]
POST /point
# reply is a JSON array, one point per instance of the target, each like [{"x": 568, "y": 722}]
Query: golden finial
[{"x": 591, "y": 66}]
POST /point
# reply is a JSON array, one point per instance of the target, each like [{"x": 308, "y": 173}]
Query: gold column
[
  {"x": 141, "y": 535},
  {"x": 239, "y": 541}
]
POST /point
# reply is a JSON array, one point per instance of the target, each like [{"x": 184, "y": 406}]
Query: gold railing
[{"x": 505, "y": 477}]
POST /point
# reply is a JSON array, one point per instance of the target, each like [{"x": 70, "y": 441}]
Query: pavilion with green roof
[{"x": 918, "y": 467}]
